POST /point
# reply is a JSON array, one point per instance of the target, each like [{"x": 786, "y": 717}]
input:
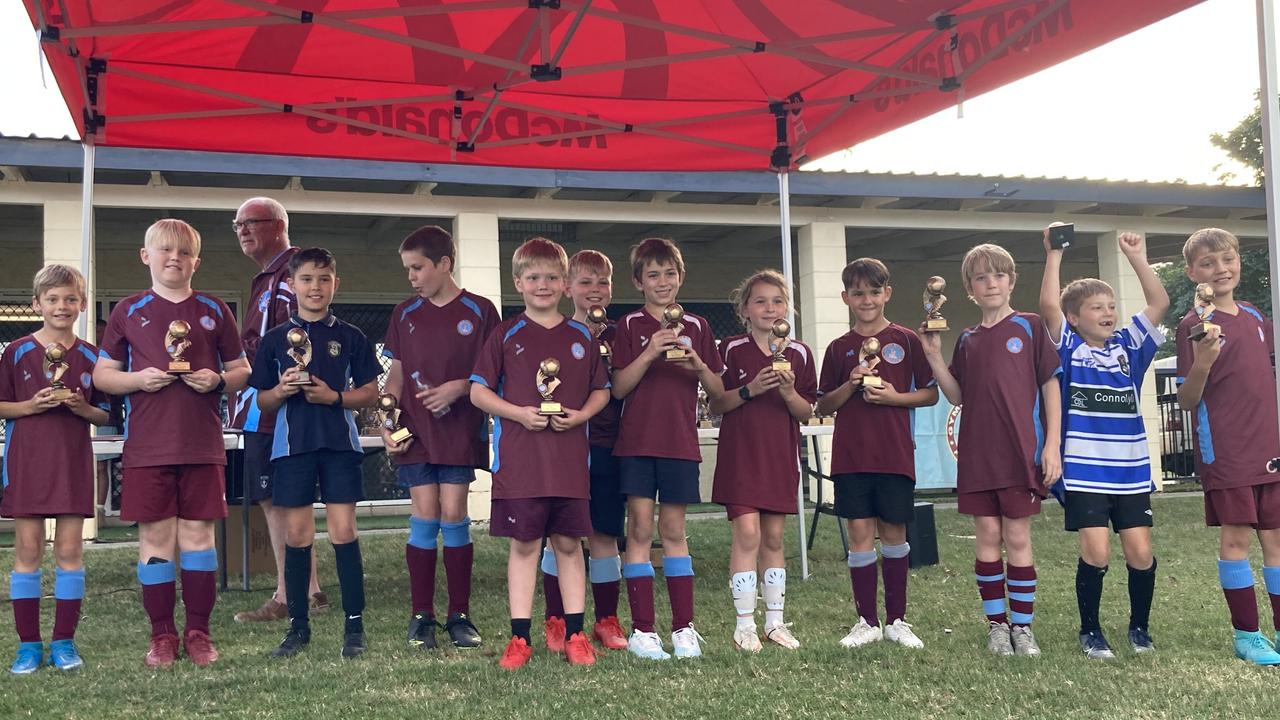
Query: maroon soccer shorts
[
  {"x": 189, "y": 492},
  {"x": 535, "y": 518},
  {"x": 736, "y": 511},
  {"x": 1257, "y": 506},
  {"x": 1010, "y": 502}
]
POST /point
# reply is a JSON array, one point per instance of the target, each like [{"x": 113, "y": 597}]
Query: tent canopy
[{"x": 572, "y": 84}]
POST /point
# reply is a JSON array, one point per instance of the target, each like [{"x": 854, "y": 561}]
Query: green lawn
[{"x": 1192, "y": 675}]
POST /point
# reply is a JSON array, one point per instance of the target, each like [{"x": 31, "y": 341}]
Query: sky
[{"x": 1140, "y": 108}]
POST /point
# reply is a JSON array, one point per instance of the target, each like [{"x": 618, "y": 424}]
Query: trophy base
[
  {"x": 604, "y": 351},
  {"x": 1199, "y": 330},
  {"x": 704, "y": 424},
  {"x": 781, "y": 365},
  {"x": 179, "y": 368},
  {"x": 401, "y": 435},
  {"x": 872, "y": 381},
  {"x": 935, "y": 325},
  {"x": 675, "y": 355},
  {"x": 62, "y": 393},
  {"x": 550, "y": 408},
  {"x": 303, "y": 379}
]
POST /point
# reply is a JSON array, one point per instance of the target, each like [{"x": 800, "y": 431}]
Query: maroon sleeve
[
  {"x": 623, "y": 352},
  {"x": 957, "y": 360},
  {"x": 8, "y": 393},
  {"x": 114, "y": 346},
  {"x": 708, "y": 351},
  {"x": 230, "y": 347},
  {"x": 920, "y": 370},
  {"x": 488, "y": 369},
  {"x": 806, "y": 379},
  {"x": 729, "y": 374},
  {"x": 1047, "y": 363},
  {"x": 831, "y": 375},
  {"x": 391, "y": 342},
  {"x": 283, "y": 303}
]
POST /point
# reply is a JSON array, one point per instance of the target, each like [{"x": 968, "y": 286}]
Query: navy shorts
[
  {"x": 336, "y": 472},
  {"x": 419, "y": 474},
  {"x": 608, "y": 504},
  {"x": 886, "y": 496},
  {"x": 258, "y": 471},
  {"x": 666, "y": 480}
]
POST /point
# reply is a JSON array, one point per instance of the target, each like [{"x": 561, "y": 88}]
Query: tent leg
[
  {"x": 1270, "y": 142},
  {"x": 784, "y": 211},
  {"x": 86, "y": 239}
]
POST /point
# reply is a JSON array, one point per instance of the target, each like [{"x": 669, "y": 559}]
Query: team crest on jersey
[
  {"x": 86, "y": 380},
  {"x": 335, "y": 348},
  {"x": 578, "y": 351},
  {"x": 1014, "y": 345},
  {"x": 207, "y": 323},
  {"x": 263, "y": 300},
  {"x": 465, "y": 327},
  {"x": 893, "y": 353},
  {"x": 686, "y": 341},
  {"x": 1123, "y": 360}
]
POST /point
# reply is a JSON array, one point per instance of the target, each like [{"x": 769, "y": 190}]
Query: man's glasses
[{"x": 238, "y": 224}]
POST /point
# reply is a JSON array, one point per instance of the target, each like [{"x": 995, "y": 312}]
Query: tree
[{"x": 1244, "y": 142}]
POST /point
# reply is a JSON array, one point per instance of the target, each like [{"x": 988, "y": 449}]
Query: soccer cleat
[
  {"x": 1253, "y": 648},
  {"x": 900, "y": 631},
  {"x": 781, "y": 635},
  {"x": 998, "y": 638},
  {"x": 1024, "y": 643},
  {"x": 162, "y": 652},
  {"x": 578, "y": 650},
  {"x": 319, "y": 603},
  {"x": 516, "y": 655},
  {"x": 745, "y": 638},
  {"x": 422, "y": 631},
  {"x": 463, "y": 634},
  {"x": 685, "y": 643},
  {"x": 647, "y": 645},
  {"x": 353, "y": 645},
  {"x": 29, "y": 658},
  {"x": 1140, "y": 640},
  {"x": 199, "y": 647},
  {"x": 64, "y": 655},
  {"x": 862, "y": 634},
  {"x": 1095, "y": 646},
  {"x": 553, "y": 629},
  {"x": 608, "y": 632},
  {"x": 270, "y": 611},
  {"x": 293, "y": 643}
]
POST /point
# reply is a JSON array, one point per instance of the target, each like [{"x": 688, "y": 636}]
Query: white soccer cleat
[
  {"x": 685, "y": 643},
  {"x": 745, "y": 638},
  {"x": 647, "y": 645},
  {"x": 862, "y": 634},
  {"x": 901, "y": 633},
  {"x": 781, "y": 635}
]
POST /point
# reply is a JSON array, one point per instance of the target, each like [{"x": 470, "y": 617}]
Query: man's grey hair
[{"x": 277, "y": 210}]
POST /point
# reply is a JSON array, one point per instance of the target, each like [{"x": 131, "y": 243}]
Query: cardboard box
[{"x": 261, "y": 559}]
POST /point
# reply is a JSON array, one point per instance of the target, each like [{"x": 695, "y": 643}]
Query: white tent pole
[
  {"x": 784, "y": 212},
  {"x": 86, "y": 240},
  {"x": 1270, "y": 142}
]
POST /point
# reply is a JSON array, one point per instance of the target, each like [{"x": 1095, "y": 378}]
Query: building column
[
  {"x": 823, "y": 315},
  {"x": 1114, "y": 269},
  {"x": 478, "y": 270}
]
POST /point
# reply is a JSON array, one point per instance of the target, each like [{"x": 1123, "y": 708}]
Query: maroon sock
[
  {"x": 1243, "y": 604},
  {"x": 66, "y": 616},
  {"x": 551, "y": 591},
  {"x": 605, "y": 597},
  {"x": 199, "y": 592},
  {"x": 457, "y": 573},
  {"x": 864, "y": 581},
  {"x": 422, "y": 579},
  {"x": 159, "y": 601},
  {"x": 640, "y": 597},
  {"x": 680, "y": 591},
  {"x": 1022, "y": 594},
  {"x": 26, "y": 618},
  {"x": 895, "y": 588},
  {"x": 1275, "y": 611},
  {"x": 991, "y": 589}
]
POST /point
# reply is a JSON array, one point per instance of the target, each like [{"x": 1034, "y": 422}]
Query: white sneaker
[
  {"x": 901, "y": 633},
  {"x": 1024, "y": 643},
  {"x": 862, "y": 634},
  {"x": 685, "y": 643},
  {"x": 647, "y": 645},
  {"x": 998, "y": 638},
  {"x": 745, "y": 638},
  {"x": 781, "y": 634}
]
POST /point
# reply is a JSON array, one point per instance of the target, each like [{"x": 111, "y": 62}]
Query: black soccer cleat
[
  {"x": 293, "y": 643},
  {"x": 353, "y": 645},
  {"x": 463, "y": 634},
  {"x": 422, "y": 631}
]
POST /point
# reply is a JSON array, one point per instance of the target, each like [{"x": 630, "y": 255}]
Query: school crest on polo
[
  {"x": 335, "y": 348},
  {"x": 465, "y": 327},
  {"x": 893, "y": 353},
  {"x": 207, "y": 323},
  {"x": 1014, "y": 345}
]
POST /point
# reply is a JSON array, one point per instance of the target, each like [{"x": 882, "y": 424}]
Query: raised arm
[
  {"x": 1051, "y": 290},
  {"x": 1134, "y": 247}
]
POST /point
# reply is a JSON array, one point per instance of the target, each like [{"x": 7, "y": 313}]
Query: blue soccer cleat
[
  {"x": 1253, "y": 648},
  {"x": 64, "y": 656},
  {"x": 29, "y": 659}
]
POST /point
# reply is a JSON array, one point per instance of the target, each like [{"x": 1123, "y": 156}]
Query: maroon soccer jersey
[
  {"x": 1000, "y": 370},
  {"x": 48, "y": 458},
  {"x": 436, "y": 345},
  {"x": 758, "y": 458},
  {"x": 1235, "y": 422},
  {"x": 544, "y": 463},
  {"x": 176, "y": 425},
  {"x": 603, "y": 430},
  {"x": 271, "y": 302},
  {"x": 660, "y": 416},
  {"x": 875, "y": 438}
]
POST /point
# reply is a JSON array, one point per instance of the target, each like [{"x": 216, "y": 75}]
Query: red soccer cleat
[
  {"x": 579, "y": 651},
  {"x": 609, "y": 633},
  {"x": 553, "y": 628},
  {"x": 199, "y": 647},
  {"x": 163, "y": 651},
  {"x": 516, "y": 655}
]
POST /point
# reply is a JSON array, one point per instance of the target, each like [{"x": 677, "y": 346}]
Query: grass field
[{"x": 1193, "y": 674}]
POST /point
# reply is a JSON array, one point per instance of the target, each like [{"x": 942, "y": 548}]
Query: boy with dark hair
[
  {"x": 434, "y": 339},
  {"x": 315, "y": 369}
]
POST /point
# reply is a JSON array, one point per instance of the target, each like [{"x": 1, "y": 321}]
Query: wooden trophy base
[
  {"x": 549, "y": 408},
  {"x": 62, "y": 393},
  {"x": 781, "y": 365},
  {"x": 604, "y": 351},
  {"x": 179, "y": 368},
  {"x": 401, "y": 435},
  {"x": 1199, "y": 330},
  {"x": 675, "y": 355},
  {"x": 936, "y": 325},
  {"x": 303, "y": 379},
  {"x": 872, "y": 381}
]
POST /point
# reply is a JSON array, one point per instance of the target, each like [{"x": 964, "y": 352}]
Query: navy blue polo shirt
[{"x": 341, "y": 356}]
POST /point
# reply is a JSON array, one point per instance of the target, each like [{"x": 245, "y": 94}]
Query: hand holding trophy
[
  {"x": 933, "y": 302},
  {"x": 390, "y": 408},
  {"x": 1204, "y": 310}
]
